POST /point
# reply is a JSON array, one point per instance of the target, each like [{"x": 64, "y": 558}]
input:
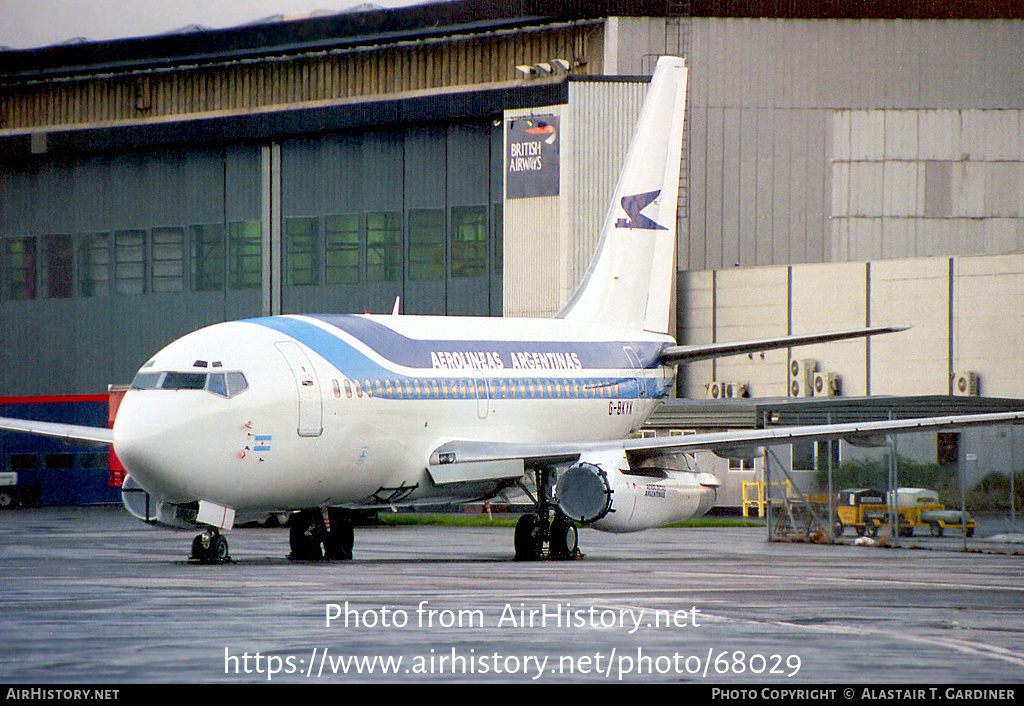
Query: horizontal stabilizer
[{"x": 673, "y": 355}]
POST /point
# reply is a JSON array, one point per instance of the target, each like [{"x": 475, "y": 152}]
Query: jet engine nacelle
[{"x": 608, "y": 494}]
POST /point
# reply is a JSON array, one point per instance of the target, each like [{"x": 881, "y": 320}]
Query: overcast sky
[{"x": 27, "y": 24}]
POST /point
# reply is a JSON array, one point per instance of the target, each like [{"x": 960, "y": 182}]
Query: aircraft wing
[
  {"x": 460, "y": 461},
  {"x": 686, "y": 354},
  {"x": 71, "y": 433}
]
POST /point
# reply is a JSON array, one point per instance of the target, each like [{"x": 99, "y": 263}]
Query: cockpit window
[
  {"x": 183, "y": 381},
  {"x": 147, "y": 381},
  {"x": 221, "y": 384},
  {"x": 216, "y": 384},
  {"x": 236, "y": 384}
]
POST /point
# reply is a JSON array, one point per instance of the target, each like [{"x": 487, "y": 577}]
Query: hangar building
[{"x": 845, "y": 164}]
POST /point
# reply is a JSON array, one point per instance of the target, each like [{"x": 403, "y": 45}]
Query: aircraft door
[
  {"x": 310, "y": 422},
  {"x": 483, "y": 396}
]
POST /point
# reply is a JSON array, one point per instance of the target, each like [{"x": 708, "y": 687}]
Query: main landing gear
[
  {"x": 210, "y": 547},
  {"x": 317, "y": 534},
  {"x": 546, "y": 533}
]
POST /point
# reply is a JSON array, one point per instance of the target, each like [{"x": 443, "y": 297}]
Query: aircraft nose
[{"x": 148, "y": 443}]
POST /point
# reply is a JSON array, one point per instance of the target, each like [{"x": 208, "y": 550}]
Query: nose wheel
[{"x": 210, "y": 547}]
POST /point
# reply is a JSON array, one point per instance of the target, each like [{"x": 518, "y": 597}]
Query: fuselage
[{"x": 289, "y": 412}]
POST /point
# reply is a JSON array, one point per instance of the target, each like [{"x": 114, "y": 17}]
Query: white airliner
[{"x": 326, "y": 415}]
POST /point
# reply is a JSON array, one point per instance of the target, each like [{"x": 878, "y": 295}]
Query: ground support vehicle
[
  {"x": 918, "y": 507},
  {"x": 866, "y": 510}
]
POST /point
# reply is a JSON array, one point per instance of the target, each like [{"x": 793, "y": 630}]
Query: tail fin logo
[{"x": 633, "y": 205}]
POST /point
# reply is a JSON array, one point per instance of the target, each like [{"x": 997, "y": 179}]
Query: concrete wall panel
[
  {"x": 988, "y": 329},
  {"x": 827, "y": 298},
  {"x": 752, "y": 303},
  {"x": 914, "y": 293}
]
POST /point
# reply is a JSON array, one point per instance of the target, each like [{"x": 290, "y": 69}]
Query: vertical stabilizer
[{"x": 629, "y": 281}]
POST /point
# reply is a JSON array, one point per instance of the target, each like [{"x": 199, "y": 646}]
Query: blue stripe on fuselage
[
  {"x": 545, "y": 355},
  {"x": 447, "y": 354},
  {"x": 461, "y": 358}
]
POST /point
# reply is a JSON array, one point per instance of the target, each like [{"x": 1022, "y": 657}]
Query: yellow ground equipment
[
  {"x": 919, "y": 507},
  {"x": 866, "y": 510},
  {"x": 863, "y": 509}
]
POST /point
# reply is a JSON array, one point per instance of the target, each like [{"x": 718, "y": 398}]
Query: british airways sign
[{"x": 531, "y": 157}]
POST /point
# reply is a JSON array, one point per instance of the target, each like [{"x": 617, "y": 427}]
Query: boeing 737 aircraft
[{"x": 325, "y": 415}]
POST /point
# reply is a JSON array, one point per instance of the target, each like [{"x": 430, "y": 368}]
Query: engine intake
[{"x": 583, "y": 493}]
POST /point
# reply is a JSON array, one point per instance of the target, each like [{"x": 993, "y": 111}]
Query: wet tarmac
[{"x": 93, "y": 596}]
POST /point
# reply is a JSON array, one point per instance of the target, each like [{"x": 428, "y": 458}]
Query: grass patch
[{"x": 716, "y": 522}]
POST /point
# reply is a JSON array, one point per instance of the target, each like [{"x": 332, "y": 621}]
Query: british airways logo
[{"x": 633, "y": 205}]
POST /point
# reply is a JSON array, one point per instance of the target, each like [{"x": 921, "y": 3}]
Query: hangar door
[{"x": 412, "y": 213}]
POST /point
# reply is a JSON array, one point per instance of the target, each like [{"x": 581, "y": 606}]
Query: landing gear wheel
[
  {"x": 210, "y": 547},
  {"x": 341, "y": 537},
  {"x": 564, "y": 538},
  {"x": 527, "y": 538},
  {"x": 304, "y": 537},
  {"x": 219, "y": 549}
]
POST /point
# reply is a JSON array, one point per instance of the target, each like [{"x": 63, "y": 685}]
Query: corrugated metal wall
[
  {"x": 909, "y": 183},
  {"x": 85, "y": 335},
  {"x": 763, "y": 96},
  {"x": 551, "y": 240},
  {"x": 423, "y": 171},
  {"x": 104, "y": 260},
  {"x": 245, "y": 86}
]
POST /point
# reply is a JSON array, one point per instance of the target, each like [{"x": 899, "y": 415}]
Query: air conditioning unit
[
  {"x": 827, "y": 385},
  {"x": 718, "y": 390},
  {"x": 966, "y": 384},
  {"x": 735, "y": 389},
  {"x": 801, "y": 377}
]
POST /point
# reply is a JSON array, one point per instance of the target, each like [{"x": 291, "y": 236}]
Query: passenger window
[{"x": 348, "y": 389}]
